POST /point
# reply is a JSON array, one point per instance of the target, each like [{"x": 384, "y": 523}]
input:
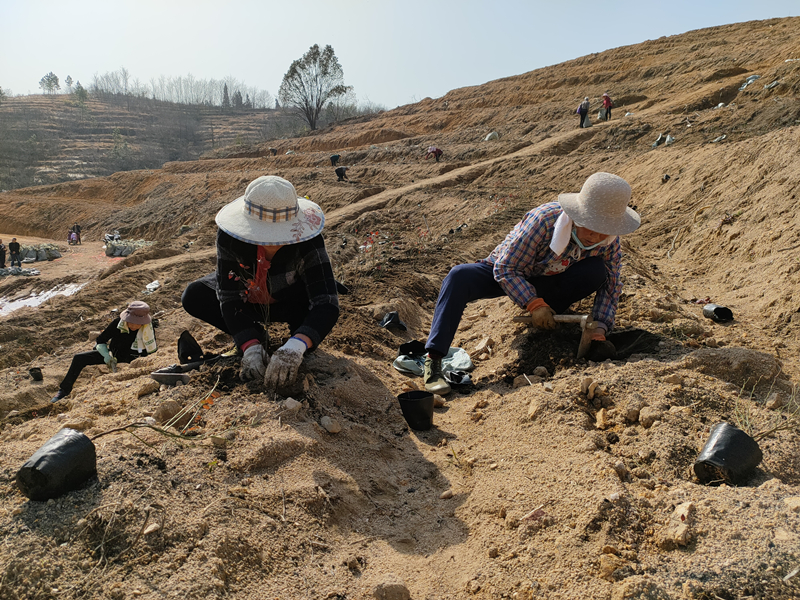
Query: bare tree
[
  {"x": 125, "y": 77},
  {"x": 311, "y": 82},
  {"x": 68, "y": 83}
]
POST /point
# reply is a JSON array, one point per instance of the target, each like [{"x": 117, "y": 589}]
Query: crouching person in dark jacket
[
  {"x": 127, "y": 337},
  {"x": 272, "y": 267}
]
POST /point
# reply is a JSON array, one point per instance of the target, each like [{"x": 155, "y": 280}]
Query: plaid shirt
[
  {"x": 305, "y": 264},
  {"x": 526, "y": 253}
]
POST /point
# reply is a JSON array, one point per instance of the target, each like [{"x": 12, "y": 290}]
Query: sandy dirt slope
[{"x": 531, "y": 491}]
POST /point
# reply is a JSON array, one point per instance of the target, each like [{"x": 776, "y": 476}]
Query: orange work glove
[
  {"x": 599, "y": 334},
  {"x": 541, "y": 314}
]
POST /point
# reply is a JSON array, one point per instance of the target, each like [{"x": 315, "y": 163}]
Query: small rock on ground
[
  {"x": 330, "y": 425},
  {"x": 639, "y": 587},
  {"x": 393, "y": 588},
  {"x": 150, "y": 387}
]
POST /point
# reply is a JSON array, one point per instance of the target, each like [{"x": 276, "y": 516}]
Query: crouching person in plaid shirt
[
  {"x": 560, "y": 253},
  {"x": 272, "y": 267}
]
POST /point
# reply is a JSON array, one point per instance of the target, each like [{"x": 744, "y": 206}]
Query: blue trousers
[{"x": 475, "y": 281}]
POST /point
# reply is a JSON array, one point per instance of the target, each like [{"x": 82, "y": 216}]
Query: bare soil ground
[{"x": 536, "y": 491}]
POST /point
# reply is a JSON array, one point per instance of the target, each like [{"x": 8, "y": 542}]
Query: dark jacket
[
  {"x": 13, "y": 247},
  {"x": 119, "y": 343},
  {"x": 299, "y": 273}
]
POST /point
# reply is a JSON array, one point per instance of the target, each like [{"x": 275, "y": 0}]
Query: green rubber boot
[{"x": 432, "y": 375}]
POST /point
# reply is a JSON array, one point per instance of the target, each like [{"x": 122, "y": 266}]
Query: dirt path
[
  {"x": 559, "y": 144},
  {"x": 78, "y": 264}
]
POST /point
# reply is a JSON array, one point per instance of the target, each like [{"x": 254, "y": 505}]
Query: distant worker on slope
[
  {"x": 13, "y": 250},
  {"x": 435, "y": 152},
  {"x": 341, "y": 173},
  {"x": 77, "y": 230},
  {"x": 272, "y": 267},
  {"x": 334, "y": 159},
  {"x": 560, "y": 253},
  {"x": 607, "y": 104},
  {"x": 2, "y": 255},
  {"x": 583, "y": 111},
  {"x": 127, "y": 337}
]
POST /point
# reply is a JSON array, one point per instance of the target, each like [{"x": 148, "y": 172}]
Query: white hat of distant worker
[
  {"x": 602, "y": 205},
  {"x": 271, "y": 214}
]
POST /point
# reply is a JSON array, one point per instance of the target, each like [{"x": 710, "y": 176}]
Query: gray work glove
[
  {"x": 542, "y": 317},
  {"x": 254, "y": 363},
  {"x": 285, "y": 362}
]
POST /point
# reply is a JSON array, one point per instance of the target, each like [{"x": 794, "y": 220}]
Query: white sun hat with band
[
  {"x": 271, "y": 214},
  {"x": 602, "y": 205}
]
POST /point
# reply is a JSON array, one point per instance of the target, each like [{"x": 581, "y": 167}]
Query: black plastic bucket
[
  {"x": 36, "y": 373},
  {"x": 417, "y": 407},
  {"x": 730, "y": 456},
  {"x": 65, "y": 462},
  {"x": 720, "y": 314}
]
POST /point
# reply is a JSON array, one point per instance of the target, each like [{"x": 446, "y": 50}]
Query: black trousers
[
  {"x": 201, "y": 302},
  {"x": 2, "y": 259},
  {"x": 80, "y": 360}
]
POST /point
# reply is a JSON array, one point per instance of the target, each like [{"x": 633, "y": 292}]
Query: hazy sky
[{"x": 393, "y": 51}]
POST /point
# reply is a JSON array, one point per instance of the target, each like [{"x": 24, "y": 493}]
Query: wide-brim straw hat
[
  {"x": 271, "y": 214},
  {"x": 138, "y": 313},
  {"x": 602, "y": 205}
]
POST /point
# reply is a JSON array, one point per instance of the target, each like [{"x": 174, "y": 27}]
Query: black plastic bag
[
  {"x": 720, "y": 314},
  {"x": 412, "y": 348},
  {"x": 417, "y": 409},
  {"x": 600, "y": 351},
  {"x": 65, "y": 462},
  {"x": 729, "y": 455},
  {"x": 457, "y": 378},
  {"x": 188, "y": 349},
  {"x": 392, "y": 319}
]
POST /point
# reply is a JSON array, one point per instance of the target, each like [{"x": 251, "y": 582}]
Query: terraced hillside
[{"x": 54, "y": 138}]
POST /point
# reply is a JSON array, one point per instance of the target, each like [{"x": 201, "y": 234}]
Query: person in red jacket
[
  {"x": 435, "y": 152},
  {"x": 607, "y": 104}
]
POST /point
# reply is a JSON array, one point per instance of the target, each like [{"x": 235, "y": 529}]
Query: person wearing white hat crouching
[
  {"x": 272, "y": 267},
  {"x": 560, "y": 253}
]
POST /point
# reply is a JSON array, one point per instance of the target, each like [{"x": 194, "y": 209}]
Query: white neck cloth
[{"x": 561, "y": 233}]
